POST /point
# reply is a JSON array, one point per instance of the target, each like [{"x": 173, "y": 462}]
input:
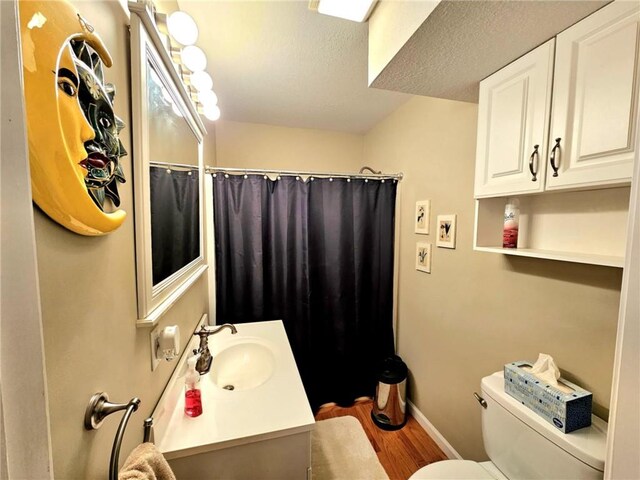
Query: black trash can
[{"x": 390, "y": 403}]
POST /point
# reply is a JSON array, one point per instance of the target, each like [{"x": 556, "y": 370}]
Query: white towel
[{"x": 145, "y": 462}]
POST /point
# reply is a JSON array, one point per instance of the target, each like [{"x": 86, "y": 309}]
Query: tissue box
[{"x": 566, "y": 411}]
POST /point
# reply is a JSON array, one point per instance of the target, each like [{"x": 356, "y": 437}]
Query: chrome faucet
[{"x": 203, "y": 365}]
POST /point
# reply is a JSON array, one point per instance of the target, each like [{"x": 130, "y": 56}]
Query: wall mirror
[{"x": 169, "y": 172}]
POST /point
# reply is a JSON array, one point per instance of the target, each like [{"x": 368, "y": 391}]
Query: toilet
[{"x": 522, "y": 445}]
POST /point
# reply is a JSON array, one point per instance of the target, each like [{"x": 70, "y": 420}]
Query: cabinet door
[
  {"x": 513, "y": 125},
  {"x": 595, "y": 97}
]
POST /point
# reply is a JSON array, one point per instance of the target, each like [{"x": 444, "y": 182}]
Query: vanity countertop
[{"x": 276, "y": 408}]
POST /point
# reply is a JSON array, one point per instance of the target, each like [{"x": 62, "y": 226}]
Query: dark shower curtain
[
  {"x": 175, "y": 227},
  {"x": 318, "y": 255}
]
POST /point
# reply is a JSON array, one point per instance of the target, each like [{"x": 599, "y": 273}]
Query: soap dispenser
[{"x": 192, "y": 394}]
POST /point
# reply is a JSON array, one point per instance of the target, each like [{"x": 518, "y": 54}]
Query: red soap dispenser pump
[{"x": 192, "y": 394}]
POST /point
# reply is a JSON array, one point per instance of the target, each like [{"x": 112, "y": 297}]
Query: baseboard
[{"x": 437, "y": 437}]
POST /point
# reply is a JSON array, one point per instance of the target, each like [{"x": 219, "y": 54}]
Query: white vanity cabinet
[
  {"x": 513, "y": 124},
  {"x": 260, "y": 428},
  {"x": 595, "y": 97},
  {"x": 587, "y": 97},
  {"x": 593, "y": 105}
]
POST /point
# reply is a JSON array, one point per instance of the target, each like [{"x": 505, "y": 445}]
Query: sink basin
[{"x": 242, "y": 365}]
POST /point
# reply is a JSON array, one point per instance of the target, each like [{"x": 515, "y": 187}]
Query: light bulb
[
  {"x": 212, "y": 112},
  {"x": 201, "y": 81},
  {"x": 183, "y": 28},
  {"x": 193, "y": 58},
  {"x": 207, "y": 98}
]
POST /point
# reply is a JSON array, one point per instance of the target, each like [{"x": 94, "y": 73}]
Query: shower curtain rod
[
  {"x": 174, "y": 166},
  {"x": 398, "y": 176}
]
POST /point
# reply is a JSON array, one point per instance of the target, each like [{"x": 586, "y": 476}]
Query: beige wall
[
  {"x": 209, "y": 145},
  {"x": 253, "y": 145},
  {"x": 88, "y": 290},
  {"x": 477, "y": 311}
]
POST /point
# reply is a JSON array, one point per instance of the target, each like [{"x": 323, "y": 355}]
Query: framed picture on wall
[
  {"x": 422, "y": 216},
  {"x": 446, "y": 231},
  {"x": 423, "y": 257}
]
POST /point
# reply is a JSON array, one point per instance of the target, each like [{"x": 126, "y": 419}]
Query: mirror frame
[{"x": 147, "y": 48}]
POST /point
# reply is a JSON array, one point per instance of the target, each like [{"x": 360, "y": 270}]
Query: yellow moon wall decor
[{"x": 68, "y": 183}]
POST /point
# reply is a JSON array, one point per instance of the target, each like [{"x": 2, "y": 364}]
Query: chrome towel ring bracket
[{"x": 98, "y": 409}]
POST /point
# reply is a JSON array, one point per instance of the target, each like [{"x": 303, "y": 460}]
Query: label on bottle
[{"x": 510, "y": 238}]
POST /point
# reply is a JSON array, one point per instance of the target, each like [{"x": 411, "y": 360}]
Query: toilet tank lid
[{"x": 586, "y": 444}]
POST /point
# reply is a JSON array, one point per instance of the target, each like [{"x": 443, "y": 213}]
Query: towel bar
[{"x": 99, "y": 407}]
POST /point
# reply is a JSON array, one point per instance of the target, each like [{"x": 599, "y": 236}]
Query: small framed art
[
  {"x": 423, "y": 257},
  {"x": 422, "y": 216},
  {"x": 446, "y": 231}
]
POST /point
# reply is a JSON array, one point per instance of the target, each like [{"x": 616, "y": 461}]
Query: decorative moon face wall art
[
  {"x": 105, "y": 149},
  {"x": 74, "y": 149}
]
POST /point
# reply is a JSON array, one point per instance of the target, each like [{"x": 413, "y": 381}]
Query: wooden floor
[{"x": 401, "y": 452}]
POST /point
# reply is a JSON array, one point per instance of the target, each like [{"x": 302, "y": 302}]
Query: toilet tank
[{"x": 524, "y": 446}]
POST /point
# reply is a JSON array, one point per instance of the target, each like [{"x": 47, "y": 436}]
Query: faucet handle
[{"x": 203, "y": 332}]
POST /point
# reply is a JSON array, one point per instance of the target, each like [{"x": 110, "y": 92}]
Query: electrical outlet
[{"x": 153, "y": 337}]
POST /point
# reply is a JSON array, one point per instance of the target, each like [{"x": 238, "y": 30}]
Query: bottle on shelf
[{"x": 511, "y": 221}]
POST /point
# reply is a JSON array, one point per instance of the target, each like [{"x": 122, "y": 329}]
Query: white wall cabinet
[
  {"x": 592, "y": 116},
  {"x": 513, "y": 124},
  {"x": 580, "y": 110},
  {"x": 595, "y": 97}
]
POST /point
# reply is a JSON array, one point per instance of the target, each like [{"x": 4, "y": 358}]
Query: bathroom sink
[
  {"x": 242, "y": 365},
  {"x": 267, "y": 411}
]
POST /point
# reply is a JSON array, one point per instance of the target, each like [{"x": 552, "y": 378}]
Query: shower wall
[{"x": 253, "y": 145}]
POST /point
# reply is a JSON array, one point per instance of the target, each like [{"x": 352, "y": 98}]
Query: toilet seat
[{"x": 453, "y": 470}]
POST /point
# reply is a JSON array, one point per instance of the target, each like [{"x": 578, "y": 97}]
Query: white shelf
[
  {"x": 582, "y": 227},
  {"x": 592, "y": 259}
]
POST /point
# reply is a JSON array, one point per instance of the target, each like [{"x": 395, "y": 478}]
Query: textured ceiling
[
  {"x": 278, "y": 63},
  {"x": 462, "y": 42}
]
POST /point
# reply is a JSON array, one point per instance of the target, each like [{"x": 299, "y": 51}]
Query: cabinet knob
[
  {"x": 552, "y": 157},
  {"x": 535, "y": 154}
]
